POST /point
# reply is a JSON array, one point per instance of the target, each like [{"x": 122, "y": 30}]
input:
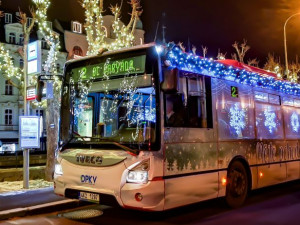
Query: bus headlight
[
  {"x": 58, "y": 169},
  {"x": 140, "y": 177},
  {"x": 139, "y": 174}
]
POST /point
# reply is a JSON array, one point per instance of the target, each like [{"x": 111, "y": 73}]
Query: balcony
[{"x": 9, "y": 127}]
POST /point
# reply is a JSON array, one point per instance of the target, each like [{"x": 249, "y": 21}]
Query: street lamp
[{"x": 285, "y": 48}]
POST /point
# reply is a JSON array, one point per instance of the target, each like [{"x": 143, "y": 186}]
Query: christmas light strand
[{"x": 189, "y": 62}]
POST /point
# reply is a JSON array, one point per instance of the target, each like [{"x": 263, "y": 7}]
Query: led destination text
[{"x": 110, "y": 68}]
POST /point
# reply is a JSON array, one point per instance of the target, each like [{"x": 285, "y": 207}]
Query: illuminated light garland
[
  {"x": 237, "y": 118},
  {"x": 52, "y": 40},
  {"x": 7, "y": 66},
  {"x": 189, "y": 62},
  {"x": 50, "y": 36},
  {"x": 270, "y": 122},
  {"x": 295, "y": 122},
  {"x": 94, "y": 23}
]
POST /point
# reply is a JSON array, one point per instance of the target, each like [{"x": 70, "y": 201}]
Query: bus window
[
  {"x": 292, "y": 122},
  {"x": 83, "y": 117},
  {"x": 197, "y": 102},
  {"x": 235, "y": 114},
  {"x": 268, "y": 121}
]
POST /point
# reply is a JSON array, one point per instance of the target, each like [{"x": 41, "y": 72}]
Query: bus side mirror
[
  {"x": 39, "y": 89},
  {"x": 170, "y": 82}
]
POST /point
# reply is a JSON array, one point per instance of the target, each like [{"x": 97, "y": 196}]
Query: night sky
[{"x": 214, "y": 23}]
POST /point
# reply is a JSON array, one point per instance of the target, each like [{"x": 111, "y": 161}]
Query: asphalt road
[{"x": 276, "y": 205}]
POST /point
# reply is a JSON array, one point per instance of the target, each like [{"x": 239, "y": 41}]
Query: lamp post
[{"x": 285, "y": 47}]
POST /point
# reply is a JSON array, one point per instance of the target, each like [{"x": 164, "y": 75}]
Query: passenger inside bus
[{"x": 174, "y": 111}]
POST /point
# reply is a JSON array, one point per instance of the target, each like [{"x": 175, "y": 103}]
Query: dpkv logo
[{"x": 87, "y": 179}]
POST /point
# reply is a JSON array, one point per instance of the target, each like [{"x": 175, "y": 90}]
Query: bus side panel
[
  {"x": 293, "y": 170},
  {"x": 190, "y": 189},
  {"x": 293, "y": 167},
  {"x": 271, "y": 174},
  {"x": 182, "y": 158},
  {"x": 191, "y": 172}
]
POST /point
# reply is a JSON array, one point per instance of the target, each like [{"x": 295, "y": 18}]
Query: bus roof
[{"x": 189, "y": 62}]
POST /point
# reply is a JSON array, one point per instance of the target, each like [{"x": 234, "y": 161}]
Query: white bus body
[{"x": 239, "y": 142}]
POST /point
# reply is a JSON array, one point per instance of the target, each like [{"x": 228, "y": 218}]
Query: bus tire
[{"x": 237, "y": 184}]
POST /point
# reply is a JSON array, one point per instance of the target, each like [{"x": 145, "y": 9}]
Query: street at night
[
  {"x": 275, "y": 205},
  {"x": 149, "y": 112}
]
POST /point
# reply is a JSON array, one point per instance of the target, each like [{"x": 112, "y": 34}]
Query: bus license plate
[{"x": 90, "y": 197}]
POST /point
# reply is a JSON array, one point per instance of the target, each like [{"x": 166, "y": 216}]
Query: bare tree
[
  {"x": 234, "y": 56},
  {"x": 221, "y": 56},
  {"x": 194, "y": 49},
  {"x": 241, "y": 49},
  {"x": 180, "y": 44},
  {"x": 204, "y": 51},
  {"x": 253, "y": 62}
]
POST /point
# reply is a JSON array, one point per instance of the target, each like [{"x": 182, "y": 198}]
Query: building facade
[{"x": 73, "y": 44}]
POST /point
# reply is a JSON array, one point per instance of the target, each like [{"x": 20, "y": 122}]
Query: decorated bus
[{"x": 154, "y": 128}]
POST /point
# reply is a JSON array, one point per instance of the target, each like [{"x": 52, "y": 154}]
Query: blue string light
[{"x": 189, "y": 62}]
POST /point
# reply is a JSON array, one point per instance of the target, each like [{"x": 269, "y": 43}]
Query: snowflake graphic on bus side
[
  {"x": 270, "y": 122},
  {"x": 295, "y": 122},
  {"x": 237, "y": 118}
]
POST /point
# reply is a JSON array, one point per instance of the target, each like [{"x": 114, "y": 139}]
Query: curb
[{"x": 39, "y": 209}]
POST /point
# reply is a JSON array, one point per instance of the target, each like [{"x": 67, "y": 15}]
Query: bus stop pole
[{"x": 26, "y": 113}]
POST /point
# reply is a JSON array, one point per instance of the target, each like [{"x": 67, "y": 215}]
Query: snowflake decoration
[
  {"x": 270, "y": 122},
  {"x": 237, "y": 118},
  {"x": 295, "y": 122}
]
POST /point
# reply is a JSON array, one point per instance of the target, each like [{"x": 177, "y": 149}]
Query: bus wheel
[{"x": 237, "y": 184}]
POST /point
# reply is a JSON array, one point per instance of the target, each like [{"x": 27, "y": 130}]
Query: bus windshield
[{"x": 118, "y": 109}]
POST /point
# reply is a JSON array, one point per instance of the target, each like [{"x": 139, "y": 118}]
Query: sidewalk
[{"x": 30, "y": 202}]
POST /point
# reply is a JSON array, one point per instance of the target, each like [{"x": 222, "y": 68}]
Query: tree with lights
[
  {"x": 94, "y": 26},
  {"x": 274, "y": 65},
  {"x": 13, "y": 73},
  {"x": 53, "y": 105}
]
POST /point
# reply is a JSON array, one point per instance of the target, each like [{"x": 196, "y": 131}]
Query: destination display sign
[{"x": 111, "y": 68}]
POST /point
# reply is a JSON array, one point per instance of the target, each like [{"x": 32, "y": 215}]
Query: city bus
[{"x": 153, "y": 128}]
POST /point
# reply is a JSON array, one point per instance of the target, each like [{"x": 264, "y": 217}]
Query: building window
[
  {"x": 58, "y": 67},
  {"x": 12, "y": 38},
  {"x": 77, "y": 51},
  {"x": 44, "y": 44},
  {"x": 8, "y": 88},
  {"x": 39, "y": 112},
  {"x": 8, "y": 18},
  {"x": 77, "y": 27},
  {"x": 8, "y": 116},
  {"x": 49, "y": 24},
  {"x": 105, "y": 31},
  {"x": 29, "y": 21},
  {"x": 21, "y": 39},
  {"x": 21, "y": 62}
]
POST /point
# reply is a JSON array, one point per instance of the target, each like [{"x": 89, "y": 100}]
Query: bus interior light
[{"x": 261, "y": 174}]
